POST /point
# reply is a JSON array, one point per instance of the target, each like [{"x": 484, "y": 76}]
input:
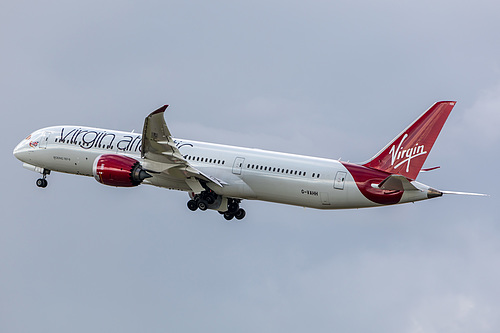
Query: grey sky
[{"x": 330, "y": 79}]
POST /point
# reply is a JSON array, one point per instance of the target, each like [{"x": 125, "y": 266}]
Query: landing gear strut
[{"x": 42, "y": 182}]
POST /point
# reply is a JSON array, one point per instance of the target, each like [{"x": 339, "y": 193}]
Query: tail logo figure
[{"x": 407, "y": 154}]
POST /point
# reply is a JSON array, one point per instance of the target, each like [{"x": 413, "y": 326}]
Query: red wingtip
[{"x": 160, "y": 110}]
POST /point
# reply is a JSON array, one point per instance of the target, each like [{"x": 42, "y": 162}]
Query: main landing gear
[
  {"x": 209, "y": 199},
  {"x": 42, "y": 182},
  {"x": 234, "y": 210}
]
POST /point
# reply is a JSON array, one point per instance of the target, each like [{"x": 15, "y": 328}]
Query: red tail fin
[{"x": 406, "y": 154}]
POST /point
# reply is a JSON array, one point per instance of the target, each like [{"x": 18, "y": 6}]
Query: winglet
[
  {"x": 406, "y": 154},
  {"x": 154, "y": 132},
  {"x": 160, "y": 110}
]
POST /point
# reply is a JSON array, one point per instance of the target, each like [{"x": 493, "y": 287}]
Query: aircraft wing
[{"x": 162, "y": 155}]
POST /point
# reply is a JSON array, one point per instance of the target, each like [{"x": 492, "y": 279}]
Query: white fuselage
[{"x": 245, "y": 173}]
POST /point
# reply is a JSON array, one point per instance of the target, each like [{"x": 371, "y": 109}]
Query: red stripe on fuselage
[{"x": 365, "y": 177}]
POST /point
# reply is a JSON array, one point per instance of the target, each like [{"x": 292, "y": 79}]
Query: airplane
[{"x": 218, "y": 177}]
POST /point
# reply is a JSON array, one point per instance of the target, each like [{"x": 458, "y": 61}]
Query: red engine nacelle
[{"x": 118, "y": 170}]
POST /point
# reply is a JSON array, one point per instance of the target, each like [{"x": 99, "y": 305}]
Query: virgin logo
[{"x": 401, "y": 156}]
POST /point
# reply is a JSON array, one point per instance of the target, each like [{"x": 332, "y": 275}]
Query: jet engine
[{"x": 118, "y": 170}]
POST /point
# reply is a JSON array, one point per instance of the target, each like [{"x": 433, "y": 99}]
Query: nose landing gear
[{"x": 42, "y": 182}]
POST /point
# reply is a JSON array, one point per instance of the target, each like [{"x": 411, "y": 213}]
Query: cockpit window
[{"x": 33, "y": 140}]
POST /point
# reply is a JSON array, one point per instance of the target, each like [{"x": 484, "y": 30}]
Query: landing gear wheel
[
  {"x": 210, "y": 199},
  {"x": 41, "y": 182},
  {"x": 202, "y": 205},
  {"x": 228, "y": 216},
  {"x": 233, "y": 207},
  {"x": 240, "y": 214},
  {"x": 192, "y": 205}
]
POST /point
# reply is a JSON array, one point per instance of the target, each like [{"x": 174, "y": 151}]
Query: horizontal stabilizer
[{"x": 397, "y": 183}]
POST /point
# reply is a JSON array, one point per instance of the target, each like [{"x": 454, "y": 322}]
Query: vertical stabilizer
[{"x": 406, "y": 154}]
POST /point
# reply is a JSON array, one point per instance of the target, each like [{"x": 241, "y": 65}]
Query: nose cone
[
  {"x": 21, "y": 151},
  {"x": 17, "y": 149}
]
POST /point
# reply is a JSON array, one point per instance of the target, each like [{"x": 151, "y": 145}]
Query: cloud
[
  {"x": 482, "y": 119},
  {"x": 452, "y": 313}
]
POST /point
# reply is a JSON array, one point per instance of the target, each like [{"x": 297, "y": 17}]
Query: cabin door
[
  {"x": 339, "y": 180},
  {"x": 237, "y": 165}
]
